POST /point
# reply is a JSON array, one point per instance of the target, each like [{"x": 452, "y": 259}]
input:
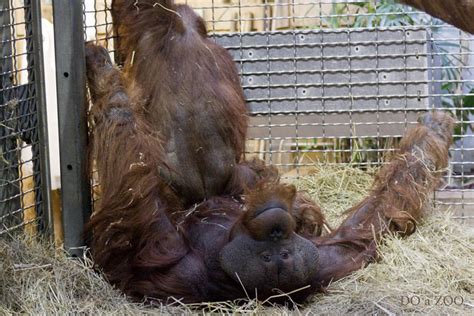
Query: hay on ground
[{"x": 431, "y": 272}]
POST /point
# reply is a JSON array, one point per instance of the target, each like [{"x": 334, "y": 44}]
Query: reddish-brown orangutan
[{"x": 181, "y": 213}]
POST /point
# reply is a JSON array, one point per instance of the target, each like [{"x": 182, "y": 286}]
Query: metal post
[{"x": 70, "y": 74}]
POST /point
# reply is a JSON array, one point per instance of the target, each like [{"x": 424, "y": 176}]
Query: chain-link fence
[
  {"x": 339, "y": 82},
  {"x": 327, "y": 82},
  {"x": 24, "y": 188}
]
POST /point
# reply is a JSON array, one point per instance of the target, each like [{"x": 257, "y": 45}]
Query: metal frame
[{"x": 71, "y": 93}]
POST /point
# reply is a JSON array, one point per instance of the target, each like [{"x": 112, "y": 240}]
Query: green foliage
[
  {"x": 462, "y": 106},
  {"x": 386, "y": 13}
]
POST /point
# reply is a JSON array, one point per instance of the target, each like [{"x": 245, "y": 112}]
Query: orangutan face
[{"x": 268, "y": 254}]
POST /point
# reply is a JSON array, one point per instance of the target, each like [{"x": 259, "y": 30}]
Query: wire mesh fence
[
  {"x": 23, "y": 162},
  {"x": 339, "y": 82}
]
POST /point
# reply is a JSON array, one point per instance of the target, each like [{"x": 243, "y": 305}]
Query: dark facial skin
[
  {"x": 266, "y": 265},
  {"x": 278, "y": 259},
  {"x": 240, "y": 265}
]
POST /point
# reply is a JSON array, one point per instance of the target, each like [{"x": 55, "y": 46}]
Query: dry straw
[{"x": 431, "y": 272}]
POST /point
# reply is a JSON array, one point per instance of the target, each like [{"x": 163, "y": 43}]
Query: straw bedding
[{"x": 431, "y": 271}]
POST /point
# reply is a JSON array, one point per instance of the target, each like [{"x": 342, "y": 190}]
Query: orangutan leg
[
  {"x": 131, "y": 231},
  {"x": 400, "y": 193}
]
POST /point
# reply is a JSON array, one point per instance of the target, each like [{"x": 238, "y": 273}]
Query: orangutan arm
[{"x": 400, "y": 194}]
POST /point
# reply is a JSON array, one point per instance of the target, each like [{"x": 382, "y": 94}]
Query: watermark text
[{"x": 441, "y": 300}]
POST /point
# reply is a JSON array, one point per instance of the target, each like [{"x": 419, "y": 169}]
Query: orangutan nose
[
  {"x": 273, "y": 224},
  {"x": 276, "y": 233}
]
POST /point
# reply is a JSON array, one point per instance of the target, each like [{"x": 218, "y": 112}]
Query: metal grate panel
[
  {"x": 24, "y": 194},
  {"x": 336, "y": 74}
]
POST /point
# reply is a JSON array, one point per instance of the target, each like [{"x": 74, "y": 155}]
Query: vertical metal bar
[
  {"x": 434, "y": 71},
  {"x": 40, "y": 148},
  {"x": 70, "y": 74},
  {"x": 6, "y": 49}
]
